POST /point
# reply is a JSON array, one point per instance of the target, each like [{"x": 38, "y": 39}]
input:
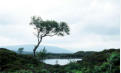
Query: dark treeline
[
  {"x": 79, "y": 54},
  {"x": 60, "y": 55}
]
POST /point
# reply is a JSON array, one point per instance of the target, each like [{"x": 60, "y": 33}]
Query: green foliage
[
  {"x": 49, "y": 27},
  {"x": 10, "y": 61},
  {"x": 23, "y": 71},
  {"x": 44, "y": 71},
  {"x": 20, "y": 50},
  {"x": 76, "y": 71},
  {"x": 18, "y": 63},
  {"x": 42, "y": 54},
  {"x": 73, "y": 65},
  {"x": 111, "y": 66}
]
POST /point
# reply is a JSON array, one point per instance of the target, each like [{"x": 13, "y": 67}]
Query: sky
[{"x": 94, "y": 24}]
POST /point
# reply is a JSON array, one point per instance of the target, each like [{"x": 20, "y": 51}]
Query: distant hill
[{"x": 29, "y": 48}]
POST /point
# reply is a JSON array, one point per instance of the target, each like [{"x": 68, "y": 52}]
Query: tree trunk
[{"x": 35, "y": 48}]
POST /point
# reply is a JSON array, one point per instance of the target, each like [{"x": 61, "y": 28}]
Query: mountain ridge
[{"x": 29, "y": 48}]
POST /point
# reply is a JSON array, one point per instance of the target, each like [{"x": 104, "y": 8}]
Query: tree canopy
[{"x": 48, "y": 28}]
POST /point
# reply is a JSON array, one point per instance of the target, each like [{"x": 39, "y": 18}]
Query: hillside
[{"x": 107, "y": 61}]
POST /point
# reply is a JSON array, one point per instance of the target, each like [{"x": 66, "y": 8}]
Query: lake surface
[{"x": 60, "y": 61}]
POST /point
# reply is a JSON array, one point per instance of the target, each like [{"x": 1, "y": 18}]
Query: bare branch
[{"x": 49, "y": 35}]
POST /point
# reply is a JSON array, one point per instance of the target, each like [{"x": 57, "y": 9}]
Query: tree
[
  {"x": 20, "y": 50},
  {"x": 47, "y": 28}
]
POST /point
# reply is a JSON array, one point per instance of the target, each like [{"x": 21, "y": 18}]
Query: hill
[
  {"x": 29, "y": 48},
  {"x": 10, "y": 60}
]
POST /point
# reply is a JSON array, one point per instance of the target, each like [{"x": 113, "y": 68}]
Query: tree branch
[{"x": 51, "y": 35}]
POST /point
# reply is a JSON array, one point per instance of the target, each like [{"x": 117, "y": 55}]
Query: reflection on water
[{"x": 60, "y": 61}]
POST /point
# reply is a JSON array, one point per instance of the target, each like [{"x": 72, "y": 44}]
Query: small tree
[
  {"x": 47, "y": 28},
  {"x": 42, "y": 54},
  {"x": 20, "y": 50}
]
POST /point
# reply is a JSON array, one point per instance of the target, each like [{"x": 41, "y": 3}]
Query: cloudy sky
[{"x": 94, "y": 24}]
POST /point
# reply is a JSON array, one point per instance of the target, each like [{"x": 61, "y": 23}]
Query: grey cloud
[
  {"x": 83, "y": 16},
  {"x": 102, "y": 30},
  {"x": 105, "y": 26}
]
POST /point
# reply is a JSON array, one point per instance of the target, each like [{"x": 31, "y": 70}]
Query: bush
[{"x": 10, "y": 61}]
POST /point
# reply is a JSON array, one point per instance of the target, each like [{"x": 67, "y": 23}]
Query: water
[{"x": 60, "y": 61}]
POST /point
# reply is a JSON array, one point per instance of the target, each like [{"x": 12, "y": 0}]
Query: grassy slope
[{"x": 15, "y": 63}]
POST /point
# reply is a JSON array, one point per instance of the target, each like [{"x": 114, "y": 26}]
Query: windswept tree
[{"x": 47, "y": 28}]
